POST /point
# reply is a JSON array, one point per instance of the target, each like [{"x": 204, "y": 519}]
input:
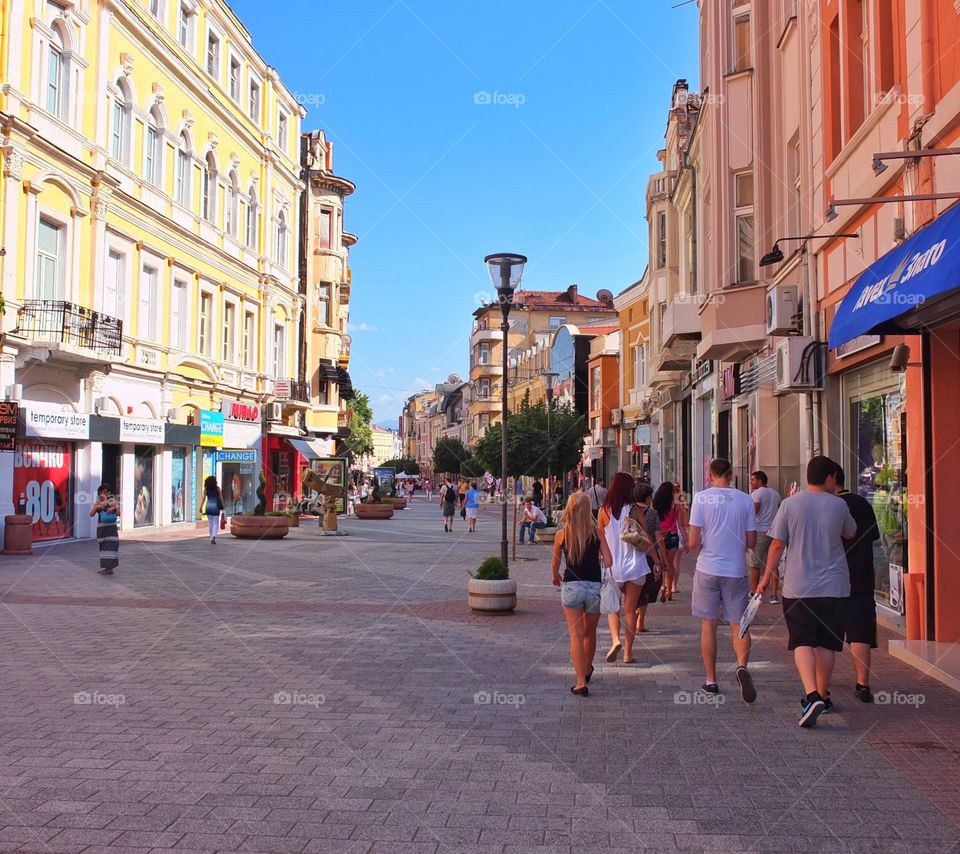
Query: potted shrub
[
  {"x": 375, "y": 507},
  {"x": 258, "y": 525},
  {"x": 398, "y": 501},
  {"x": 491, "y": 590}
]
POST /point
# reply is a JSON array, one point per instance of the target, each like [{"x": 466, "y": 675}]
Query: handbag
[
  {"x": 107, "y": 518},
  {"x": 634, "y": 534},
  {"x": 223, "y": 521},
  {"x": 611, "y": 599}
]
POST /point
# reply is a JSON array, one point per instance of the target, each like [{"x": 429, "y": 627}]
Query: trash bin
[{"x": 18, "y": 535}]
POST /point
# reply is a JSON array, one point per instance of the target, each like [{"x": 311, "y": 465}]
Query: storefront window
[
  {"x": 239, "y": 487},
  {"x": 42, "y": 487},
  {"x": 876, "y": 471},
  {"x": 179, "y": 486},
  {"x": 668, "y": 426},
  {"x": 143, "y": 494}
]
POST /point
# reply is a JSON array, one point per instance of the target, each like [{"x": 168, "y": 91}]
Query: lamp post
[
  {"x": 549, "y": 376},
  {"x": 505, "y": 269}
]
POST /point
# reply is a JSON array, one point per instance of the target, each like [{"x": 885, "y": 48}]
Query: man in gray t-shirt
[{"x": 812, "y": 525}]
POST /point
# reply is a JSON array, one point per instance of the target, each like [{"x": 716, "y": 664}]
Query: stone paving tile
[{"x": 401, "y": 755}]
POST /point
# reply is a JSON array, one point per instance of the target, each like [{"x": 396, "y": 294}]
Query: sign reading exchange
[
  {"x": 143, "y": 431},
  {"x": 236, "y": 456},
  {"x": 211, "y": 428}
]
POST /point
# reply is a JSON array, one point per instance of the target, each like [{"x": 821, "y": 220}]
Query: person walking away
[
  {"x": 583, "y": 548},
  {"x": 448, "y": 502},
  {"x": 629, "y": 567},
  {"x": 462, "y": 491},
  {"x": 861, "y": 627},
  {"x": 683, "y": 526},
  {"x": 107, "y": 510},
  {"x": 598, "y": 494},
  {"x": 669, "y": 515},
  {"x": 656, "y": 557},
  {"x": 766, "y": 502},
  {"x": 213, "y": 506},
  {"x": 428, "y": 489},
  {"x": 537, "y": 492},
  {"x": 816, "y": 586},
  {"x": 722, "y": 526},
  {"x": 531, "y": 521},
  {"x": 472, "y": 506},
  {"x": 558, "y": 493}
]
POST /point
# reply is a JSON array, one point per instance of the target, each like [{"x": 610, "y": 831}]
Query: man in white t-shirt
[
  {"x": 722, "y": 526},
  {"x": 766, "y": 502}
]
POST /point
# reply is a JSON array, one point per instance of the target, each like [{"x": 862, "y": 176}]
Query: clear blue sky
[{"x": 557, "y": 173}]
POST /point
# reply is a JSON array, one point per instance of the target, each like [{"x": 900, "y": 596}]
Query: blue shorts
[{"x": 581, "y": 594}]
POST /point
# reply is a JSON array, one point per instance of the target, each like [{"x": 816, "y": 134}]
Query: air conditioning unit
[
  {"x": 176, "y": 413},
  {"x": 782, "y": 310},
  {"x": 101, "y": 405},
  {"x": 798, "y": 365},
  {"x": 616, "y": 417},
  {"x": 274, "y": 411}
]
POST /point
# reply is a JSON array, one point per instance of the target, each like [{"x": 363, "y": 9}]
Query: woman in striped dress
[{"x": 107, "y": 511}]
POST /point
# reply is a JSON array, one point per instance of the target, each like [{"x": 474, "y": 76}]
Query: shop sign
[
  {"x": 855, "y": 345},
  {"x": 281, "y": 388},
  {"x": 144, "y": 431},
  {"x": 240, "y": 410},
  {"x": 41, "y": 488},
  {"x": 211, "y": 428},
  {"x": 56, "y": 423},
  {"x": 644, "y": 434},
  {"x": 9, "y": 413},
  {"x": 730, "y": 385},
  {"x": 236, "y": 456}
]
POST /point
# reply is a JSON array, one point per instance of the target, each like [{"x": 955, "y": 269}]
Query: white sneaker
[{"x": 773, "y": 600}]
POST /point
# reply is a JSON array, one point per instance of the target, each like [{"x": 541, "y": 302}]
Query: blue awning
[{"x": 912, "y": 287}]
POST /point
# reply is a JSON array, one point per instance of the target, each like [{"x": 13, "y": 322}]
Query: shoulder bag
[
  {"x": 611, "y": 599},
  {"x": 634, "y": 533}
]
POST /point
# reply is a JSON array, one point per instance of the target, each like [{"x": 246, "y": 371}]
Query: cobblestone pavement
[{"x": 321, "y": 694}]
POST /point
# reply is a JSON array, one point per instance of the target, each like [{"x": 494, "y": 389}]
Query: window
[
  {"x": 213, "y": 55},
  {"x": 484, "y": 389},
  {"x": 794, "y": 197},
  {"x": 249, "y": 339},
  {"x": 120, "y": 121},
  {"x": 324, "y": 236},
  {"x": 857, "y": 89},
  {"x": 49, "y": 284},
  {"x": 639, "y": 366},
  {"x": 178, "y": 315},
  {"x": 595, "y": 397},
  {"x": 483, "y": 355},
  {"x": 282, "y": 130},
  {"x": 229, "y": 317},
  {"x": 153, "y": 149},
  {"x": 232, "y": 213},
  {"x": 155, "y": 8},
  {"x": 253, "y": 220},
  {"x": 323, "y": 304},
  {"x": 323, "y": 396},
  {"x": 206, "y": 309},
  {"x": 181, "y": 184},
  {"x": 253, "y": 107},
  {"x": 209, "y": 190},
  {"x": 279, "y": 351},
  {"x": 185, "y": 26},
  {"x": 743, "y": 189},
  {"x": 114, "y": 284},
  {"x": 661, "y": 239},
  {"x": 557, "y": 322},
  {"x": 743, "y": 218},
  {"x": 740, "y": 39},
  {"x": 281, "y": 239},
  {"x": 148, "y": 311},
  {"x": 235, "y": 79},
  {"x": 56, "y": 76}
]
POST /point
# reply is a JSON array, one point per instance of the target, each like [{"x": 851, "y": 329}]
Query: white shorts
[{"x": 471, "y": 512}]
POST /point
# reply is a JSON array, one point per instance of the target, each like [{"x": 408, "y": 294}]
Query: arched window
[
  {"x": 208, "y": 198},
  {"x": 58, "y": 79},
  {"x": 233, "y": 204},
  {"x": 181, "y": 183},
  {"x": 153, "y": 148},
  {"x": 253, "y": 220},
  {"x": 120, "y": 120},
  {"x": 281, "y": 239}
]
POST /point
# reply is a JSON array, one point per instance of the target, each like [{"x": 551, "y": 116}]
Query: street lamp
[
  {"x": 505, "y": 270},
  {"x": 549, "y": 376}
]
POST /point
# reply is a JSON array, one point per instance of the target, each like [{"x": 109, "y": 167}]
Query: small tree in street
[
  {"x": 403, "y": 465},
  {"x": 451, "y": 456},
  {"x": 360, "y": 441}
]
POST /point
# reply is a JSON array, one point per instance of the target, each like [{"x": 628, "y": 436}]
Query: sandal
[
  {"x": 663, "y": 595},
  {"x": 580, "y": 692},
  {"x": 614, "y": 651}
]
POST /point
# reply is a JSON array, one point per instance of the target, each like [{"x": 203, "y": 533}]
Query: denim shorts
[{"x": 581, "y": 594}]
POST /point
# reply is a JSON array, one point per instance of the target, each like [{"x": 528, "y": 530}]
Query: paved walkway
[{"x": 323, "y": 694}]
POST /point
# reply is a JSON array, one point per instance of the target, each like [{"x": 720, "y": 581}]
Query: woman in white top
[{"x": 630, "y": 567}]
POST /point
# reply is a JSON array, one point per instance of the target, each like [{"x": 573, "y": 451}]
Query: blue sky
[{"x": 553, "y": 166}]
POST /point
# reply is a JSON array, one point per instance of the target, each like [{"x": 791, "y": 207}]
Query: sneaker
[
  {"x": 827, "y": 703},
  {"x": 213, "y": 541},
  {"x": 864, "y": 694},
  {"x": 774, "y": 600},
  {"x": 747, "y": 689},
  {"x": 445, "y": 529},
  {"x": 710, "y": 688},
  {"x": 811, "y": 709}
]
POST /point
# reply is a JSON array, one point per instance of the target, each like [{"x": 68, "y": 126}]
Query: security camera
[{"x": 900, "y": 359}]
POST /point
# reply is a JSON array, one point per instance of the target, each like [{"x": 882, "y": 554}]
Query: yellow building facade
[{"x": 149, "y": 219}]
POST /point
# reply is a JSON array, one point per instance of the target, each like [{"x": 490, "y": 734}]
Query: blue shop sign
[
  {"x": 236, "y": 456},
  {"x": 211, "y": 428}
]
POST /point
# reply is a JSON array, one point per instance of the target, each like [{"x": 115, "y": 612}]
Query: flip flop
[{"x": 614, "y": 651}]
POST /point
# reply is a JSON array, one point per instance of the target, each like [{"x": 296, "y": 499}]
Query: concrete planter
[
  {"x": 547, "y": 535},
  {"x": 399, "y": 503},
  {"x": 292, "y": 518},
  {"x": 492, "y": 597},
  {"x": 374, "y": 511},
  {"x": 259, "y": 527}
]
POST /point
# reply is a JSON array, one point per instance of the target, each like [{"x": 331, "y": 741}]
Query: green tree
[
  {"x": 451, "y": 456},
  {"x": 360, "y": 441},
  {"x": 403, "y": 465},
  {"x": 531, "y": 450}
]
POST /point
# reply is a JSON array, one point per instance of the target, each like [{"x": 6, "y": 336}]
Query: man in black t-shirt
[{"x": 861, "y": 628}]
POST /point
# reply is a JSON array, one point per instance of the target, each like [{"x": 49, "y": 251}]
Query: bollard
[{"x": 18, "y": 535}]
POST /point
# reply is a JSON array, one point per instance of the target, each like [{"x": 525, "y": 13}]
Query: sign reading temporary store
[
  {"x": 52, "y": 421},
  {"x": 142, "y": 431}
]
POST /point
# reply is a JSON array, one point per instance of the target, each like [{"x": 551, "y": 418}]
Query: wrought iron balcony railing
[{"x": 65, "y": 323}]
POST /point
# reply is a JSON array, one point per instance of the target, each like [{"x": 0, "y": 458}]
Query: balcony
[
  {"x": 733, "y": 321},
  {"x": 479, "y": 335},
  {"x": 73, "y": 332},
  {"x": 676, "y": 358},
  {"x": 293, "y": 390},
  {"x": 485, "y": 369},
  {"x": 681, "y": 319}
]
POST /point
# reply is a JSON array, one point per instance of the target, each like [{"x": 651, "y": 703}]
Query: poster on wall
[
  {"x": 143, "y": 486},
  {"x": 9, "y": 417},
  {"x": 386, "y": 476},
  {"x": 178, "y": 470},
  {"x": 41, "y": 486},
  {"x": 334, "y": 471}
]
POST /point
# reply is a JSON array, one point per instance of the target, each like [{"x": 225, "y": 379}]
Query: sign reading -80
[
  {"x": 41, "y": 501},
  {"x": 41, "y": 487}
]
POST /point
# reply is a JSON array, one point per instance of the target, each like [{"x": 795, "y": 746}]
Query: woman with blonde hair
[{"x": 582, "y": 547}]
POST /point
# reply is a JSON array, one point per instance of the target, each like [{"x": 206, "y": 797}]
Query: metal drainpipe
[{"x": 811, "y": 324}]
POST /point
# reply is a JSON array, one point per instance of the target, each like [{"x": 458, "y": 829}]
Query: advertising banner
[
  {"x": 334, "y": 471},
  {"x": 211, "y": 428},
  {"x": 41, "y": 481},
  {"x": 386, "y": 476},
  {"x": 236, "y": 456},
  {"x": 143, "y": 431},
  {"x": 9, "y": 413},
  {"x": 52, "y": 422}
]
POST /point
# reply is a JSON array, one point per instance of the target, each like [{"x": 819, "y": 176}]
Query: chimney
[{"x": 572, "y": 294}]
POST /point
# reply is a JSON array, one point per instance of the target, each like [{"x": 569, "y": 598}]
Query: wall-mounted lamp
[
  {"x": 880, "y": 167},
  {"x": 831, "y": 212}
]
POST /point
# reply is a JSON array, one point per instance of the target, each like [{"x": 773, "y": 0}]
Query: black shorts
[
  {"x": 817, "y": 621},
  {"x": 862, "y": 619}
]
